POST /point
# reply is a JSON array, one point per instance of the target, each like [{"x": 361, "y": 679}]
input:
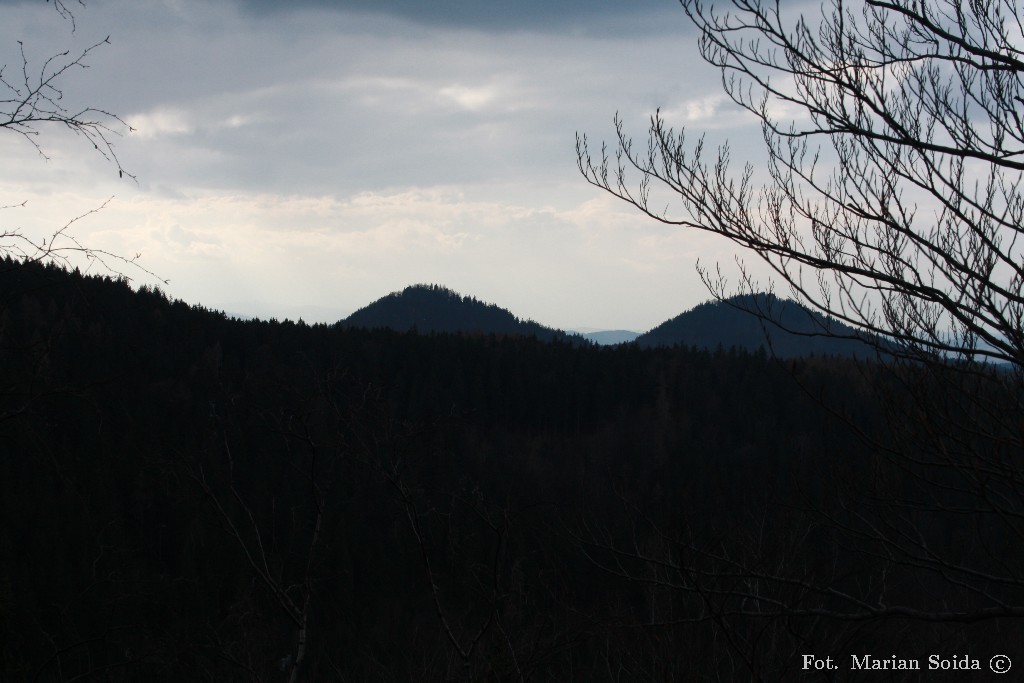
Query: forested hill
[
  {"x": 181, "y": 492},
  {"x": 750, "y": 322},
  {"x": 187, "y": 497},
  {"x": 436, "y": 309}
]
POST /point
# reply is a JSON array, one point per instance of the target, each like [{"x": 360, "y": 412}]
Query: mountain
[
  {"x": 432, "y": 308},
  {"x": 183, "y": 492},
  {"x": 610, "y": 337},
  {"x": 752, "y": 321}
]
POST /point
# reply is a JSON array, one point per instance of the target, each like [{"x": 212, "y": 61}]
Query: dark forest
[{"x": 192, "y": 497}]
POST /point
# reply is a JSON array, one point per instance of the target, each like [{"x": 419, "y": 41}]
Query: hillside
[
  {"x": 435, "y": 309},
  {"x": 188, "y": 496},
  {"x": 751, "y": 322}
]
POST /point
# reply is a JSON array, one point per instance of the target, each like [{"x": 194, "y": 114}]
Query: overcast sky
[{"x": 306, "y": 158}]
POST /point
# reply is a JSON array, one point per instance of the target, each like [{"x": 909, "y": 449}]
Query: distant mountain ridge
[
  {"x": 742, "y": 322},
  {"x": 611, "y": 337},
  {"x": 437, "y": 309},
  {"x": 753, "y": 321}
]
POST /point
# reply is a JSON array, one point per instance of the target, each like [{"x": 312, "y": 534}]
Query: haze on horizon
[{"x": 306, "y": 160}]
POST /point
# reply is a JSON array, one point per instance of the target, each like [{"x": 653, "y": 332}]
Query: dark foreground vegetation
[{"x": 187, "y": 497}]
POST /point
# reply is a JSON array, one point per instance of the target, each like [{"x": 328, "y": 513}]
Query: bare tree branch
[{"x": 33, "y": 98}]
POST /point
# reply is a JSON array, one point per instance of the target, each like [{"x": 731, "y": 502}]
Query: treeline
[{"x": 186, "y": 496}]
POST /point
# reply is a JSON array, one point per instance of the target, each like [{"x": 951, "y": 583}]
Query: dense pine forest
[{"x": 190, "y": 497}]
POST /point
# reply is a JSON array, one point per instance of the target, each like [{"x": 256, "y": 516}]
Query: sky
[{"x": 304, "y": 159}]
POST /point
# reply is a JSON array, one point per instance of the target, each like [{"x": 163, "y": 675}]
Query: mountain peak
[
  {"x": 432, "y": 308},
  {"x": 762, "y": 320}
]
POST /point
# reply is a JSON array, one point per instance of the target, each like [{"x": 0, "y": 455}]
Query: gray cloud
[
  {"x": 494, "y": 15},
  {"x": 318, "y": 153}
]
